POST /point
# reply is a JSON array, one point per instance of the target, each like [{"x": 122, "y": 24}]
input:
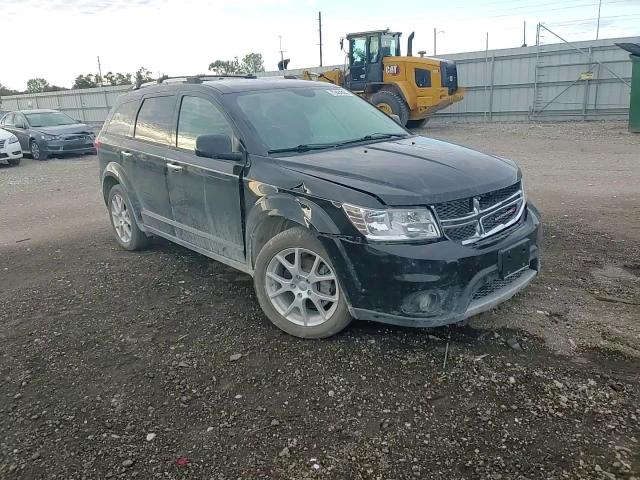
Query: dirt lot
[{"x": 119, "y": 365}]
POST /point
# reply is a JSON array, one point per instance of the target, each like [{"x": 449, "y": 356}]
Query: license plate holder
[{"x": 513, "y": 259}]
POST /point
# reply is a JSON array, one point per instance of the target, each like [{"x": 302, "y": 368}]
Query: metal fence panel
[{"x": 540, "y": 82}]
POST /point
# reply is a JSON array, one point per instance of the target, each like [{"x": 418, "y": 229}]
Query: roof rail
[{"x": 188, "y": 79}]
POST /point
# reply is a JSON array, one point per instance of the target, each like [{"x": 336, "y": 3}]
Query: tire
[
  {"x": 298, "y": 242},
  {"x": 119, "y": 206},
  {"x": 417, "y": 123},
  {"x": 14, "y": 162},
  {"x": 386, "y": 99},
  {"x": 36, "y": 152}
]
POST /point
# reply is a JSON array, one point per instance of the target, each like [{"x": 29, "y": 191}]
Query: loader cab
[{"x": 366, "y": 51}]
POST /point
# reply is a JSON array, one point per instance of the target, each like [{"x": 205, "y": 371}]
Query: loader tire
[{"x": 391, "y": 102}]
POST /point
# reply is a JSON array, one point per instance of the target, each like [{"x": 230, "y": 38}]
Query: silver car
[{"x": 43, "y": 133}]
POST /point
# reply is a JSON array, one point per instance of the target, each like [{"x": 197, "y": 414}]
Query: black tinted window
[
  {"x": 199, "y": 117},
  {"x": 154, "y": 120},
  {"x": 122, "y": 119},
  {"x": 423, "y": 78}
]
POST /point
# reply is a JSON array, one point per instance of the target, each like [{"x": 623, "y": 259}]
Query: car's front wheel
[
  {"x": 123, "y": 221},
  {"x": 297, "y": 286},
  {"x": 36, "y": 151}
]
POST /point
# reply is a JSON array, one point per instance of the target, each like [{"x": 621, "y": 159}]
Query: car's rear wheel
[
  {"x": 36, "y": 151},
  {"x": 123, "y": 221},
  {"x": 297, "y": 286}
]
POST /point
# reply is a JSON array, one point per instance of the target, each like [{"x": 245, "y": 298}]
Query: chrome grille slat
[
  {"x": 1, "y": 143},
  {"x": 468, "y": 220}
]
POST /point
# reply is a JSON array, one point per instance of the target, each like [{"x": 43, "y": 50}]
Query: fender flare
[
  {"x": 115, "y": 171},
  {"x": 285, "y": 206}
]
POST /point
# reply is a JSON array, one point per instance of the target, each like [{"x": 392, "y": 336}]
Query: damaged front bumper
[{"x": 434, "y": 284}]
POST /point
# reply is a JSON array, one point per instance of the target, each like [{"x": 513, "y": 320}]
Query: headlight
[
  {"x": 394, "y": 223},
  {"x": 12, "y": 139},
  {"x": 48, "y": 137}
]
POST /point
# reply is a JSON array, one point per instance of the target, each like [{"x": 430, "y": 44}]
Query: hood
[
  {"x": 65, "y": 129},
  {"x": 409, "y": 171},
  {"x": 4, "y": 134}
]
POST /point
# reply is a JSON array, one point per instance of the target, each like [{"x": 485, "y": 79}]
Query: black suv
[{"x": 335, "y": 210}]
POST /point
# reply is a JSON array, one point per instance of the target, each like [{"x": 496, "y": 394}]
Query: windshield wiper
[
  {"x": 374, "y": 136},
  {"x": 305, "y": 147}
]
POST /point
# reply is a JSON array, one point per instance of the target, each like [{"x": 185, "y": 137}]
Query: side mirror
[
  {"x": 216, "y": 146},
  {"x": 396, "y": 119}
]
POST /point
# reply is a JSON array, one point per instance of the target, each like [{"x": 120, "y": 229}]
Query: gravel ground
[{"x": 160, "y": 364}]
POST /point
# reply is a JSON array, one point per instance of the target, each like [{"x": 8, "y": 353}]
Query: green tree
[
  {"x": 7, "y": 91},
  {"x": 225, "y": 67},
  {"x": 87, "y": 81},
  {"x": 118, "y": 78},
  {"x": 143, "y": 75},
  {"x": 252, "y": 63},
  {"x": 37, "y": 85}
]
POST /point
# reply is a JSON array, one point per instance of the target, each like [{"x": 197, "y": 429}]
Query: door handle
[
  {"x": 126, "y": 154},
  {"x": 174, "y": 167}
]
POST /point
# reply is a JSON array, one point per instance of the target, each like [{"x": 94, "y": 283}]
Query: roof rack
[{"x": 188, "y": 79}]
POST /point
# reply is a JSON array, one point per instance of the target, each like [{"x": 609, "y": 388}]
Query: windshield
[
  {"x": 313, "y": 116},
  {"x": 49, "y": 119}
]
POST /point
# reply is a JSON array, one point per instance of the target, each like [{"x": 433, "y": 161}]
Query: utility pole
[
  {"x": 524, "y": 34},
  {"x": 320, "y": 33},
  {"x": 435, "y": 35},
  {"x": 100, "y": 71},
  {"x": 598, "y": 26},
  {"x": 281, "y": 51}
]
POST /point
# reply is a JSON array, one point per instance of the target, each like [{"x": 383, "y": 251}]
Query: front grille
[
  {"x": 497, "y": 284},
  {"x": 463, "y": 232},
  {"x": 469, "y": 219},
  {"x": 491, "y": 198},
  {"x": 3, "y": 155},
  {"x": 1, "y": 143},
  {"x": 454, "y": 209}
]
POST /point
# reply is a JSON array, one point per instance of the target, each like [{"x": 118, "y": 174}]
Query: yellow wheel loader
[{"x": 413, "y": 88}]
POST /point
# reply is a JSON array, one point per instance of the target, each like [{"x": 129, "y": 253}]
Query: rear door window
[
  {"x": 199, "y": 116},
  {"x": 155, "y": 119},
  {"x": 122, "y": 119}
]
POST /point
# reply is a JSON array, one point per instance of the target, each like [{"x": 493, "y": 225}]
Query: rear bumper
[{"x": 390, "y": 283}]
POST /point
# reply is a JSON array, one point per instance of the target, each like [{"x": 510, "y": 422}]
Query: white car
[{"x": 10, "y": 150}]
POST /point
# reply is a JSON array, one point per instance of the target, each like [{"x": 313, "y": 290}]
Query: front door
[
  {"x": 144, "y": 157},
  {"x": 357, "y": 76},
  {"x": 205, "y": 192},
  {"x": 20, "y": 129}
]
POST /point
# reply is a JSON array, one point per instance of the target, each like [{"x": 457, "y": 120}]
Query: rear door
[
  {"x": 205, "y": 192},
  {"x": 144, "y": 157}
]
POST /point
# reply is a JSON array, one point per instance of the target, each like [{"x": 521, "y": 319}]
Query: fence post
[
  {"x": 586, "y": 88},
  {"x": 493, "y": 64}
]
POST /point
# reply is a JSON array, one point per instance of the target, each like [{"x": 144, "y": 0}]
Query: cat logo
[{"x": 392, "y": 69}]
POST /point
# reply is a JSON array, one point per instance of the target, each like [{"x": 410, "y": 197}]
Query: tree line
[{"x": 250, "y": 63}]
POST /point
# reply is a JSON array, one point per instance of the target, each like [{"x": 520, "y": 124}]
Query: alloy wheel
[
  {"x": 35, "y": 151},
  {"x": 121, "y": 218},
  {"x": 302, "y": 286}
]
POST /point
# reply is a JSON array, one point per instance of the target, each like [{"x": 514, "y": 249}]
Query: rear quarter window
[
  {"x": 122, "y": 119},
  {"x": 154, "y": 123}
]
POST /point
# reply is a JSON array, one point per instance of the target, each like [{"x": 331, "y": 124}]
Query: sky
[{"x": 60, "y": 39}]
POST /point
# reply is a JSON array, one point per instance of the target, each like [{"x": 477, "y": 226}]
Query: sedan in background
[
  {"x": 43, "y": 133},
  {"x": 10, "y": 150}
]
